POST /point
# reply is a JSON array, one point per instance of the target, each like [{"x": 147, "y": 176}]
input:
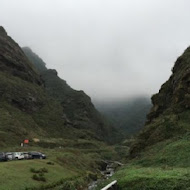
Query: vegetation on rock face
[
  {"x": 29, "y": 110},
  {"x": 78, "y": 110},
  {"x": 169, "y": 116},
  {"x": 161, "y": 151},
  {"x": 14, "y": 62},
  {"x": 39, "y": 64},
  {"x": 36, "y": 104}
]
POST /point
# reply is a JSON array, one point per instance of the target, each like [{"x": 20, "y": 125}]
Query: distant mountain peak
[
  {"x": 2, "y": 30},
  {"x": 35, "y": 102},
  {"x": 37, "y": 61}
]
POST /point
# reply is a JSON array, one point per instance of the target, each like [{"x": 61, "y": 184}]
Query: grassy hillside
[
  {"x": 66, "y": 126},
  {"x": 38, "y": 106},
  {"x": 169, "y": 116},
  {"x": 21, "y": 175},
  {"x": 159, "y": 158},
  {"x": 68, "y": 167},
  {"x": 163, "y": 166},
  {"x": 154, "y": 178}
]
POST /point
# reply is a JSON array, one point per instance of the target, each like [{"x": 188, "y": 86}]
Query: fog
[{"x": 111, "y": 49}]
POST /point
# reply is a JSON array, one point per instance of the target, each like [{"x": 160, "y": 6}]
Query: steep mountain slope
[
  {"x": 127, "y": 115},
  {"x": 79, "y": 112},
  {"x": 28, "y": 111},
  {"x": 169, "y": 116},
  {"x": 21, "y": 93},
  {"x": 159, "y": 159},
  {"x": 14, "y": 62}
]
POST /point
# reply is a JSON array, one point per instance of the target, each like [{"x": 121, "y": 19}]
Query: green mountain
[
  {"x": 169, "y": 116},
  {"x": 159, "y": 158},
  {"x": 36, "y": 103},
  {"x": 79, "y": 112},
  {"x": 127, "y": 115}
]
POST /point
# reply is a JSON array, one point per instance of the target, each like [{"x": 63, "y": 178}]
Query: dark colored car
[
  {"x": 3, "y": 156},
  {"x": 36, "y": 155}
]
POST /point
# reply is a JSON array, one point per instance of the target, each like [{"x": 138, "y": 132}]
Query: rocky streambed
[{"x": 107, "y": 172}]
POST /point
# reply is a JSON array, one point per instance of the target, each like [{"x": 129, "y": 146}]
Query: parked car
[
  {"x": 18, "y": 155},
  {"x": 3, "y": 156},
  {"x": 9, "y": 155},
  {"x": 26, "y": 155},
  {"x": 37, "y": 155}
]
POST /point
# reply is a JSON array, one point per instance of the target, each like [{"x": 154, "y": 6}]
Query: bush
[
  {"x": 39, "y": 177},
  {"x": 50, "y": 163},
  {"x": 41, "y": 170},
  {"x": 67, "y": 185}
]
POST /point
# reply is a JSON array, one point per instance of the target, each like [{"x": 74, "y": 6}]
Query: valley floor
[
  {"x": 164, "y": 166},
  {"x": 17, "y": 175},
  {"x": 66, "y": 167}
]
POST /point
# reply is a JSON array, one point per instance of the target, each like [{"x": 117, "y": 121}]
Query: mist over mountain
[
  {"x": 159, "y": 155},
  {"x": 127, "y": 115},
  {"x": 94, "y": 95},
  {"x": 110, "y": 49},
  {"x": 78, "y": 110},
  {"x": 36, "y": 103},
  {"x": 168, "y": 120}
]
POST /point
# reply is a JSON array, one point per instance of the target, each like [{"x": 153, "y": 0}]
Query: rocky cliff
[
  {"x": 32, "y": 104},
  {"x": 169, "y": 116},
  {"x": 79, "y": 112}
]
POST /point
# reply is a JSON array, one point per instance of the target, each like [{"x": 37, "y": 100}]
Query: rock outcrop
[
  {"x": 78, "y": 110},
  {"x": 36, "y": 103},
  {"x": 13, "y": 61},
  {"x": 169, "y": 116}
]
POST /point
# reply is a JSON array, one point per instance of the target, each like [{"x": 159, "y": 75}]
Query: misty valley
[
  {"x": 93, "y": 95},
  {"x": 131, "y": 142}
]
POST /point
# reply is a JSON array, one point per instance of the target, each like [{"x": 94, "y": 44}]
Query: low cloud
[{"x": 109, "y": 48}]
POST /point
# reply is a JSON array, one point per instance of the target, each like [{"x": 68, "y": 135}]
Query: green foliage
[
  {"x": 17, "y": 175},
  {"x": 41, "y": 170},
  {"x": 164, "y": 165},
  {"x": 171, "y": 153},
  {"x": 135, "y": 178},
  {"x": 50, "y": 163},
  {"x": 67, "y": 185},
  {"x": 39, "y": 177},
  {"x": 161, "y": 151},
  {"x": 169, "y": 116}
]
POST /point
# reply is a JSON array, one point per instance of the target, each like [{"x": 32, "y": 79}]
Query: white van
[{"x": 18, "y": 155}]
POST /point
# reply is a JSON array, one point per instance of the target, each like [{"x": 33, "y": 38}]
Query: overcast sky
[{"x": 108, "y": 48}]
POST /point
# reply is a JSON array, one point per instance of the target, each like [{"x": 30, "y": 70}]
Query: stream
[{"x": 107, "y": 173}]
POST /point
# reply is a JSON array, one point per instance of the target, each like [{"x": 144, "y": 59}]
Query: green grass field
[
  {"x": 164, "y": 166},
  {"x": 134, "y": 177},
  {"x": 77, "y": 163},
  {"x": 16, "y": 175},
  {"x": 149, "y": 178}
]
